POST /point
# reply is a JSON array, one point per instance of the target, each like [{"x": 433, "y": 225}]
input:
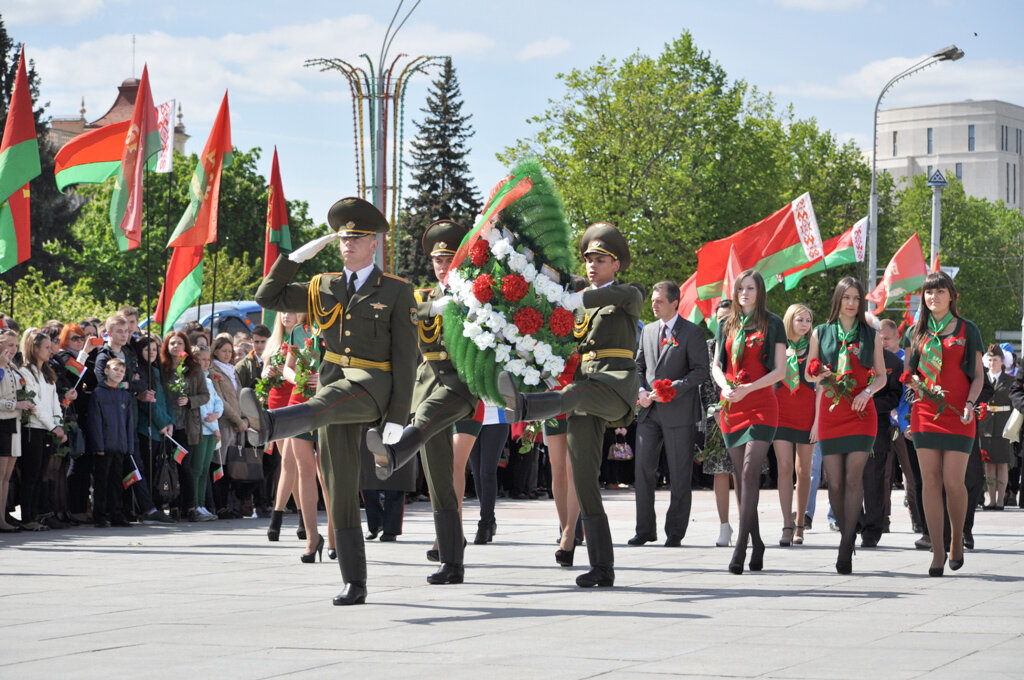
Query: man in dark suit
[{"x": 671, "y": 348}]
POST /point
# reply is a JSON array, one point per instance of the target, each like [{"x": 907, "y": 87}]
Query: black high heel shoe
[
  {"x": 332, "y": 554},
  {"x": 844, "y": 564},
  {"x": 565, "y": 557},
  {"x": 274, "y": 530},
  {"x": 956, "y": 564},
  {"x": 938, "y": 571},
  {"x": 318, "y": 550},
  {"x": 757, "y": 557},
  {"x": 736, "y": 563}
]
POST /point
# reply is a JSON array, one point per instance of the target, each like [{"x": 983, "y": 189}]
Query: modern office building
[{"x": 979, "y": 142}]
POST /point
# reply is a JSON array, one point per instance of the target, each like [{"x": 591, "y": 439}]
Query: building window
[
  {"x": 1007, "y": 182},
  {"x": 1018, "y": 140},
  {"x": 929, "y": 175},
  {"x": 894, "y": 142},
  {"x": 930, "y": 147},
  {"x": 1015, "y": 184},
  {"x": 1002, "y": 138},
  {"x": 960, "y": 171},
  {"x": 970, "y": 138}
]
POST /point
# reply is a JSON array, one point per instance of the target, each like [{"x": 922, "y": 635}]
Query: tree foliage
[{"x": 440, "y": 187}]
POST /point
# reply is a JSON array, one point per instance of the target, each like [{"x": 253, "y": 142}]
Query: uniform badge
[
  {"x": 379, "y": 305},
  {"x": 414, "y": 316}
]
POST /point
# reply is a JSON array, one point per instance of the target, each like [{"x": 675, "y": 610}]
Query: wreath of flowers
[{"x": 515, "y": 310}]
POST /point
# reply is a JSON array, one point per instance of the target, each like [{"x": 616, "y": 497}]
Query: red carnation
[
  {"x": 664, "y": 390},
  {"x": 285, "y": 348},
  {"x": 514, "y": 287},
  {"x": 814, "y": 367},
  {"x": 985, "y": 457},
  {"x": 906, "y": 375},
  {"x": 561, "y": 322},
  {"x": 743, "y": 376},
  {"x": 480, "y": 253},
  {"x": 528, "y": 320},
  {"x": 309, "y": 343},
  {"x": 982, "y": 410},
  {"x": 483, "y": 287},
  {"x": 182, "y": 355}
]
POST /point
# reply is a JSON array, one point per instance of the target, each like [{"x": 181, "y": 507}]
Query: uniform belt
[
  {"x": 436, "y": 356},
  {"x": 607, "y": 354},
  {"x": 997, "y": 409},
  {"x": 345, "y": 361}
]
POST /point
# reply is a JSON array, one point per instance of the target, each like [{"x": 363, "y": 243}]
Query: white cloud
[
  {"x": 548, "y": 47},
  {"x": 980, "y": 79},
  {"x": 27, "y": 12},
  {"x": 822, "y": 5},
  {"x": 265, "y": 66}
]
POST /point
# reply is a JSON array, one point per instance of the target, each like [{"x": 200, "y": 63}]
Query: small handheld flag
[
  {"x": 179, "y": 454},
  {"x": 75, "y": 367},
  {"x": 131, "y": 478},
  {"x": 218, "y": 474}
]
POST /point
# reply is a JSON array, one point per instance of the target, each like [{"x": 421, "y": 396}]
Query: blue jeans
[{"x": 812, "y": 501}]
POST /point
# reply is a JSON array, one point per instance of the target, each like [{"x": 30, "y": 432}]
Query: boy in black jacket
[{"x": 110, "y": 430}]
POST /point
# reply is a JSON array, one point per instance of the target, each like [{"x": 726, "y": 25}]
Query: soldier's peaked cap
[
  {"x": 355, "y": 217},
  {"x": 443, "y": 237},
  {"x": 605, "y": 239}
]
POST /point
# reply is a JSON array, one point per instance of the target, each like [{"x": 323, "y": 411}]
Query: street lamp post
[{"x": 951, "y": 53}]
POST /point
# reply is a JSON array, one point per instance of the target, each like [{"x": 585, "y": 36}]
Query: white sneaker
[
  {"x": 724, "y": 536},
  {"x": 205, "y": 515}
]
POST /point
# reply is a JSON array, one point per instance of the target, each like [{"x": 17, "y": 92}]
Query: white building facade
[{"x": 979, "y": 142}]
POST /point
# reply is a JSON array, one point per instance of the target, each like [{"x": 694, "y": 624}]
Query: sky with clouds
[{"x": 828, "y": 58}]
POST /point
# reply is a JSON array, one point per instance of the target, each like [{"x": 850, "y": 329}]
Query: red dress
[
  {"x": 947, "y": 432},
  {"x": 756, "y": 416},
  {"x": 840, "y": 428},
  {"x": 796, "y": 410}
]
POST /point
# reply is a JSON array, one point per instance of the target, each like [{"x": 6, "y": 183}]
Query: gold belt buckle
[
  {"x": 590, "y": 356},
  {"x": 343, "y": 361}
]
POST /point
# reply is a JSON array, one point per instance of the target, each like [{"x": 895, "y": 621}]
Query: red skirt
[{"x": 796, "y": 414}]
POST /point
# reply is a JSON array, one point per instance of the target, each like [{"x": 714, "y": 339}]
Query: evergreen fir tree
[
  {"x": 440, "y": 187},
  {"x": 52, "y": 212}
]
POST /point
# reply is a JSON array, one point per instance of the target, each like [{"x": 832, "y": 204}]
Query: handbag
[
  {"x": 620, "y": 450},
  {"x": 1011, "y": 430},
  {"x": 165, "y": 481},
  {"x": 244, "y": 463}
]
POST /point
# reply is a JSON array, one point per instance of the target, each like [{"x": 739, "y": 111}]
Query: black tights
[
  {"x": 747, "y": 460},
  {"x": 845, "y": 472}
]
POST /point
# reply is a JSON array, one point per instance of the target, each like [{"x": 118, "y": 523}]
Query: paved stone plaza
[{"x": 217, "y": 600}]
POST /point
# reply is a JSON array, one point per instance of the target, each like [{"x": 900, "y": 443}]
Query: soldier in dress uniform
[
  {"x": 368, "y": 323},
  {"x": 440, "y": 400},
  {"x": 603, "y": 390}
]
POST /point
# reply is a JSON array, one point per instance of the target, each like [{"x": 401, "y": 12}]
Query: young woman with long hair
[
  {"x": 10, "y": 420},
  {"x": 750, "y": 357},
  {"x": 793, "y": 445},
  {"x": 845, "y": 422},
  {"x": 945, "y": 352}
]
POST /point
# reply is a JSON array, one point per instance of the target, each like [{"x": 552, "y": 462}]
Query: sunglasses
[{"x": 77, "y": 338}]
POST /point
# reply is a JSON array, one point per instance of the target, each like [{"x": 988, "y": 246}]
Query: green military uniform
[
  {"x": 440, "y": 399},
  {"x": 365, "y": 378},
  {"x": 603, "y": 391}
]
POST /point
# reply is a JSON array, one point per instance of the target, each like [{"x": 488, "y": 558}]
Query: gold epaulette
[
  {"x": 423, "y": 294},
  {"x": 396, "y": 277}
]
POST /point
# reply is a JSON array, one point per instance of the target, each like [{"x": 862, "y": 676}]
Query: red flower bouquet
[
  {"x": 664, "y": 390},
  {"x": 514, "y": 287}
]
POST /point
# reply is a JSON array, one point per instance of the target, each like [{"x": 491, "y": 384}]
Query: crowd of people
[{"x": 102, "y": 423}]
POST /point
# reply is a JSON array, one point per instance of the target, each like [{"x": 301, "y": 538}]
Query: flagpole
[
  {"x": 149, "y": 367},
  {"x": 213, "y": 299},
  {"x": 167, "y": 236}
]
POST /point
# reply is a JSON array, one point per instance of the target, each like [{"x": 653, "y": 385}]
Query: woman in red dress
[
  {"x": 750, "y": 357},
  {"x": 845, "y": 360},
  {"x": 279, "y": 397},
  {"x": 945, "y": 353},
  {"x": 796, "y": 416}
]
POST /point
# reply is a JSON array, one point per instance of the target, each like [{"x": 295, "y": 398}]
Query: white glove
[
  {"x": 303, "y": 253},
  {"x": 573, "y": 301},
  {"x": 438, "y": 305},
  {"x": 392, "y": 433}
]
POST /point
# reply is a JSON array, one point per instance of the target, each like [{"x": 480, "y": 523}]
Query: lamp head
[{"x": 949, "y": 53}]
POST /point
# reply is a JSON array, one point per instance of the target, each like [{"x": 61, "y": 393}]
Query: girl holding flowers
[
  {"x": 750, "y": 357},
  {"x": 796, "y": 416},
  {"x": 845, "y": 362},
  {"x": 944, "y": 368}
]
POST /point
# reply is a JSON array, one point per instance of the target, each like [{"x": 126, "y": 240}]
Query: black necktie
[
  {"x": 352, "y": 285},
  {"x": 661, "y": 340}
]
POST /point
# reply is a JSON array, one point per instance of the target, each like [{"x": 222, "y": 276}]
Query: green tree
[
  {"x": 441, "y": 187},
  {"x": 52, "y": 212},
  {"x": 675, "y": 154}
]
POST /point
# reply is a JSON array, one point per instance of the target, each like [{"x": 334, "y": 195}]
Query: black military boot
[
  {"x": 352, "y": 559},
  {"x": 521, "y": 407},
  {"x": 269, "y": 425},
  {"x": 448, "y": 526},
  {"x": 398, "y": 454},
  {"x": 599, "y": 549}
]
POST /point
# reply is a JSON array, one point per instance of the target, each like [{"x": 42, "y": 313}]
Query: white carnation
[
  {"x": 496, "y": 321},
  {"x": 484, "y": 341},
  {"x": 531, "y": 376},
  {"x": 526, "y": 343},
  {"x": 529, "y": 273},
  {"x": 492, "y": 236},
  {"x": 471, "y": 329},
  {"x": 517, "y": 262},
  {"x": 511, "y": 333},
  {"x": 501, "y": 248},
  {"x": 516, "y": 366},
  {"x": 502, "y": 352},
  {"x": 542, "y": 352},
  {"x": 554, "y": 365}
]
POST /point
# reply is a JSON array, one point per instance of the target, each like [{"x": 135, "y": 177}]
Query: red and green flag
[
  {"x": 218, "y": 474},
  {"x": 733, "y": 269},
  {"x": 689, "y": 308},
  {"x": 141, "y": 142},
  {"x": 846, "y": 248},
  {"x": 75, "y": 367},
  {"x": 198, "y": 226},
  {"x": 92, "y": 157},
  {"x": 278, "y": 239},
  {"x": 19, "y": 164},
  {"x": 182, "y": 285},
  {"x": 783, "y": 240},
  {"x": 904, "y": 274},
  {"x": 131, "y": 478},
  {"x": 179, "y": 454}
]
